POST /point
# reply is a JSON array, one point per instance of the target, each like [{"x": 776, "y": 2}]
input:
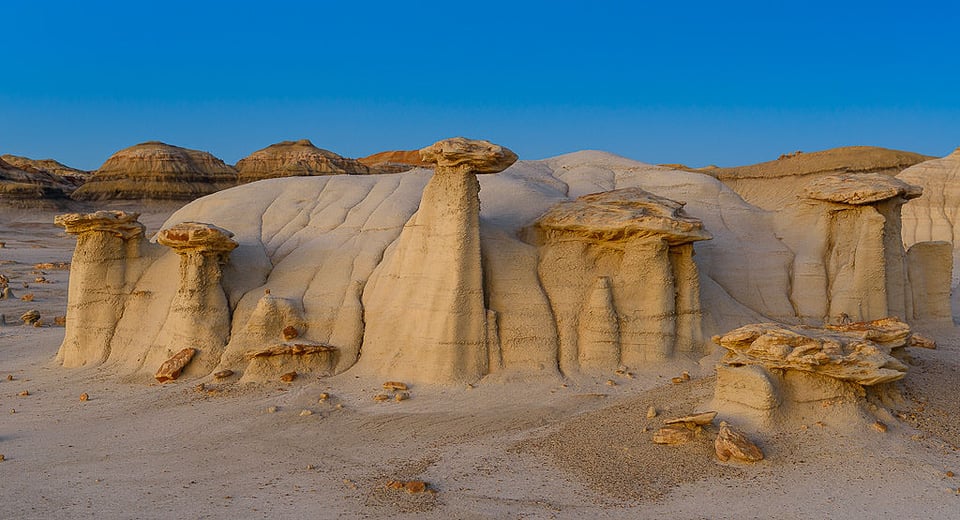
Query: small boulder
[
  {"x": 732, "y": 443},
  {"x": 171, "y": 368}
]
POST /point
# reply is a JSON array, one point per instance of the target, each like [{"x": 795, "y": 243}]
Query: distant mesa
[
  {"x": 295, "y": 159},
  {"x": 157, "y": 171},
  {"x": 394, "y": 161},
  {"x": 32, "y": 187},
  {"x": 48, "y": 167},
  {"x": 792, "y": 171}
]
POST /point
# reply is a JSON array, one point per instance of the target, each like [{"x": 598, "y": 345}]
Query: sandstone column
[
  {"x": 199, "y": 314},
  {"x": 424, "y": 305},
  {"x": 107, "y": 241}
]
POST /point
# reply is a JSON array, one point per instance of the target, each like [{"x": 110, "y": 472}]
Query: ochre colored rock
[
  {"x": 473, "y": 156},
  {"x": 732, "y": 443},
  {"x": 867, "y": 188},
  {"x": 190, "y": 237},
  {"x": 31, "y": 187},
  {"x": 172, "y": 367},
  {"x": 294, "y": 159},
  {"x": 844, "y": 355},
  {"x": 394, "y": 161},
  {"x": 675, "y": 435},
  {"x": 157, "y": 171},
  {"x": 697, "y": 419}
]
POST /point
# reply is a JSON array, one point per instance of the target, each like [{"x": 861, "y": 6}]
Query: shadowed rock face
[
  {"x": 22, "y": 188},
  {"x": 157, "y": 171},
  {"x": 394, "y": 161},
  {"x": 295, "y": 158}
]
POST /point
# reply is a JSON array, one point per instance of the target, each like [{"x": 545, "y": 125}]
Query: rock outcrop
[
  {"x": 157, "y": 171},
  {"x": 849, "y": 260},
  {"x": 35, "y": 188},
  {"x": 618, "y": 269},
  {"x": 295, "y": 158},
  {"x": 71, "y": 176},
  {"x": 774, "y": 184},
  {"x": 424, "y": 307},
  {"x": 394, "y": 161},
  {"x": 771, "y": 369}
]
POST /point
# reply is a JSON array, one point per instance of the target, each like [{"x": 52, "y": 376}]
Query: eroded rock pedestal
[
  {"x": 424, "y": 312},
  {"x": 102, "y": 273},
  {"x": 619, "y": 272},
  {"x": 772, "y": 370}
]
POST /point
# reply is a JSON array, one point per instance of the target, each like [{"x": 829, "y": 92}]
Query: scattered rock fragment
[
  {"x": 949, "y": 474},
  {"x": 651, "y": 412},
  {"x": 381, "y": 398},
  {"x": 675, "y": 435},
  {"x": 9, "y": 377},
  {"x": 401, "y": 396},
  {"x": 410, "y": 486},
  {"x": 222, "y": 374},
  {"x": 7, "y": 294},
  {"x": 171, "y": 368},
  {"x": 324, "y": 396},
  {"x": 611, "y": 382},
  {"x": 288, "y": 377},
  {"x": 272, "y": 409},
  {"x": 921, "y": 341},
  {"x": 732, "y": 443},
  {"x": 2, "y": 458},
  {"x": 305, "y": 413},
  {"x": 60, "y": 321},
  {"x": 394, "y": 385},
  {"x": 30, "y": 317},
  {"x": 880, "y": 427},
  {"x": 50, "y": 266},
  {"x": 697, "y": 419},
  {"x": 84, "y": 396},
  {"x": 200, "y": 387},
  {"x": 24, "y": 393},
  {"x": 290, "y": 332}
]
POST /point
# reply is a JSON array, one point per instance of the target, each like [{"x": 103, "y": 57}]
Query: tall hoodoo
[
  {"x": 104, "y": 269},
  {"x": 618, "y": 269},
  {"x": 850, "y": 262},
  {"x": 199, "y": 314},
  {"x": 424, "y": 305}
]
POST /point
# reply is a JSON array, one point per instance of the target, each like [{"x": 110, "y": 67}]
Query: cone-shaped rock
[
  {"x": 155, "y": 170},
  {"x": 424, "y": 305},
  {"x": 293, "y": 159}
]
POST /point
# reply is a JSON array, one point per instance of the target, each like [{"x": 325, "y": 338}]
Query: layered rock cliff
[{"x": 295, "y": 158}]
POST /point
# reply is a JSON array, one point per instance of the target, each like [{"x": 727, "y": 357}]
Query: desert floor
[{"x": 509, "y": 448}]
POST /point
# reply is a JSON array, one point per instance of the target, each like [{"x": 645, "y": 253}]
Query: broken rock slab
[
  {"x": 172, "y": 367},
  {"x": 734, "y": 444}
]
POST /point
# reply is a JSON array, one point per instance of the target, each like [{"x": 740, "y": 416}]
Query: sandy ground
[{"x": 514, "y": 449}]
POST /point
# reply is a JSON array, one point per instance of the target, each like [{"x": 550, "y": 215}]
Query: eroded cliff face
[
  {"x": 583, "y": 263},
  {"x": 295, "y": 158},
  {"x": 157, "y": 171},
  {"x": 935, "y": 216}
]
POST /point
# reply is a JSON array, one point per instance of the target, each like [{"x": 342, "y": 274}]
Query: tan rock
[
  {"x": 187, "y": 237},
  {"x": 748, "y": 385},
  {"x": 222, "y": 374},
  {"x": 651, "y": 412},
  {"x": 860, "y": 189},
  {"x": 843, "y": 355},
  {"x": 394, "y": 385},
  {"x": 920, "y": 341},
  {"x": 468, "y": 155},
  {"x": 394, "y": 161},
  {"x": 290, "y": 333},
  {"x": 84, "y": 396},
  {"x": 401, "y": 396},
  {"x": 288, "y": 377},
  {"x": 155, "y": 170},
  {"x": 171, "y": 368},
  {"x": 30, "y": 317},
  {"x": 697, "y": 419},
  {"x": 32, "y": 187},
  {"x": 732, "y": 443},
  {"x": 295, "y": 159},
  {"x": 675, "y": 435},
  {"x": 381, "y": 398}
]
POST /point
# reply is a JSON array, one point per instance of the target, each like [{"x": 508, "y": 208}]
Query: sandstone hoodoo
[
  {"x": 295, "y": 158},
  {"x": 157, "y": 171},
  {"x": 583, "y": 266}
]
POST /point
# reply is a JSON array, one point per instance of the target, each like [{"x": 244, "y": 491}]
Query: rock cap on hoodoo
[
  {"x": 197, "y": 236},
  {"x": 474, "y": 155},
  {"x": 155, "y": 170},
  {"x": 861, "y": 189},
  {"x": 623, "y": 214},
  {"x": 295, "y": 159},
  {"x": 120, "y": 223}
]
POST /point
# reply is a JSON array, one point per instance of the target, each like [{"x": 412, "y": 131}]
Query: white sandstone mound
[
  {"x": 935, "y": 217},
  {"x": 584, "y": 262}
]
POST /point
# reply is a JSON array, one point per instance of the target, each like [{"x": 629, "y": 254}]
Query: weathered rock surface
[
  {"x": 935, "y": 217},
  {"x": 424, "y": 307},
  {"x": 845, "y": 354},
  {"x": 171, "y": 368},
  {"x": 35, "y": 188},
  {"x": 734, "y": 444},
  {"x": 70, "y": 175},
  {"x": 157, "y": 171},
  {"x": 394, "y": 161},
  {"x": 867, "y": 188},
  {"x": 295, "y": 158},
  {"x": 774, "y": 184}
]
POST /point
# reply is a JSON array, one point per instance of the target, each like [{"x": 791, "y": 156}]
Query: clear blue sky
[{"x": 695, "y": 82}]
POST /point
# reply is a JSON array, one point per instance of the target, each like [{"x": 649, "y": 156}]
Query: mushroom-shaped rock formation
[
  {"x": 849, "y": 259},
  {"x": 618, "y": 269},
  {"x": 394, "y": 161},
  {"x": 295, "y": 158},
  {"x": 424, "y": 308},
  {"x": 934, "y": 216},
  {"x": 770, "y": 370},
  {"x": 155, "y": 170},
  {"x": 199, "y": 315},
  {"x": 774, "y": 184},
  {"x": 105, "y": 265}
]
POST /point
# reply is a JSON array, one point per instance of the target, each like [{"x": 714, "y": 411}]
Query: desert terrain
[{"x": 108, "y": 441}]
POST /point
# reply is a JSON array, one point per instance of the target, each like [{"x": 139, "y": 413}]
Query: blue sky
[{"x": 695, "y": 82}]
